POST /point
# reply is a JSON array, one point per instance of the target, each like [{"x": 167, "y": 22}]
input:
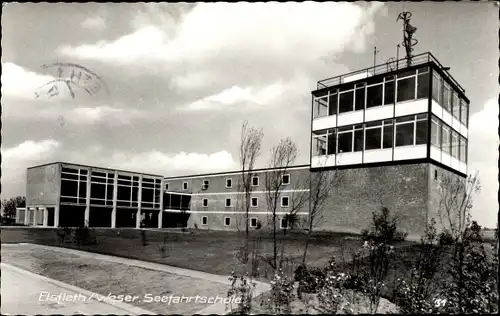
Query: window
[
  {"x": 286, "y": 179},
  {"x": 166, "y": 186},
  {"x": 284, "y": 201},
  {"x": 255, "y": 181},
  {"x": 463, "y": 115},
  {"x": 228, "y": 202},
  {"x": 454, "y": 144},
  {"x": 319, "y": 145},
  {"x": 374, "y": 96},
  {"x": 98, "y": 191},
  {"x": 229, "y": 183},
  {"x": 358, "y": 137},
  {"x": 421, "y": 130},
  {"x": 321, "y": 105},
  {"x": 446, "y": 139},
  {"x": 227, "y": 221},
  {"x": 436, "y": 132},
  {"x": 346, "y": 100},
  {"x": 456, "y": 106},
  {"x": 205, "y": 185},
  {"x": 463, "y": 149},
  {"x": 406, "y": 89},
  {"x": 204, "y": 220},
  {"x": 205, "y": 202},
  {"x": 332, "y": 142},
  {"x": 437, "y": 87},
  {"x": 388, "y": 136},
  {"x": 254, "y": 202},
  {"x": 389, "y": 92},
  {"x": 70, "y": 188},
  {"x": 435, "y": 174},
  {"x": 447, "y": 97},
  {"x": 345, "y": 139},
  {"x": 373, "y": 135},
  {"x": 332, "y": 103},
  {"x": 360, "y": 99},
  {"x": 184, "y": 185},
  {"x": 423, "y": 85},
  {"x": 283, "y": 223},
  {"x": 253, "y": 222},
  {"x": 404, "y": 131}
]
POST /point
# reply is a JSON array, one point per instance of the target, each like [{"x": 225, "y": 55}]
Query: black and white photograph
[{"x": 219, "y": 158}]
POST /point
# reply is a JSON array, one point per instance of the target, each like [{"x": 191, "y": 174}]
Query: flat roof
[
  {"x": 236, "y": 172},
  {"x": 390, "y": 66},
  {"x": 97, "y": 167}
]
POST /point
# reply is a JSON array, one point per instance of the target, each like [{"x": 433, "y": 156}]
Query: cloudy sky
[{"x": 181, "y": 78}]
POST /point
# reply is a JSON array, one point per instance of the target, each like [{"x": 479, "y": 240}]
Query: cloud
[
  {"x": 30, "y": 150},
  {"x": 94, "y": 23},
  {"x": 158, "y": 162},
  {"x": 290, "y": 34},
  {"x": 483, "y": 156},
  {"x": 19, "y": 82},
  {"x": 237, "y": 97}
]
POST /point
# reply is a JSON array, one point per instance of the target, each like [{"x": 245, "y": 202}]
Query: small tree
[
  {"x": 250, "y": 146},
  {"x": 322, "y": 183},
  {"x": 282, "y": 156}
]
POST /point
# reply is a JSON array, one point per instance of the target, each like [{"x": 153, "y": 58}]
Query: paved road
[{"x": 26, "y": 293}]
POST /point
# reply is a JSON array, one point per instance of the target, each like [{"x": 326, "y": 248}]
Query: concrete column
[
  {"x": 115, "y": 197},
  {"x": 160, "y": 214},
  {"x": 27, "y": 216},
  {"x": 139, "y": 200},
  {"x": 35, "y": 216},
  {"x": 56, "y": 216},
  {"x": 45, "y": 217},
  {"x": 87, "y": 200}
]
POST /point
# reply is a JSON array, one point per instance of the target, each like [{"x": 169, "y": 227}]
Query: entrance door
[{"x": 50, "y": 219}]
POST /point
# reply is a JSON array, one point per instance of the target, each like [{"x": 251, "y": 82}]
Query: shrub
[
  {"x": 446, "y": 238},
  {"x": 241, "y": 287},
  {"x": 281, "y": 294},
  {"x": 384, "y": 229},
  {"x": 310, "y": 280}
]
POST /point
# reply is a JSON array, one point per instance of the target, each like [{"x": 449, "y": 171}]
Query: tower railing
[{"x": 385, "y": 68}]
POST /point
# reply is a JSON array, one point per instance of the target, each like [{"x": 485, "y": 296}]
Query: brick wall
[
  {"x": 436, "y": 175},
  {"x": 403, "y": 189}
]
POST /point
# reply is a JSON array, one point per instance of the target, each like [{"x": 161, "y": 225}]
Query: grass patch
[{"x": 108, "y": 277}]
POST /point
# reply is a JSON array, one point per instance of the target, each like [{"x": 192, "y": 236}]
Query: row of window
[
  {"x": 405, "y": 86},
  {"x": 229, "y": 182},
  {"x": 402, "y": 131},
  {"x": 253, "y": 222},
  {"x": 102, "y": 191},
  {"x": 103, "y": 177},
  {"x": 448, "y": 140},
  {"x": 449, "y": 99},
  {"x": 254, "y": 202}
]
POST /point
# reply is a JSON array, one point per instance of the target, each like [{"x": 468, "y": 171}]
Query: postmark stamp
[{"x": 72, "y": 78}]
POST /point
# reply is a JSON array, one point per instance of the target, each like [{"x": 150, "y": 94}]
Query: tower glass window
[
  {"x": 373, "y": 135},
  {"x": 406, "y": 89},
  {"x": 358, "y": 137},
  {"x": 389, "y": 86},
  {"x": 374, "y": 95},
  {"x": 321, "y": 105},
  {"x": 446, "y": 140},
  {"x": 404, "y": 131},
  {"x": 456, "y": 106},
  {"x": 421, "y": 130},
  {"x": 436, "y": 132},
  {"x": 447, "y": 97},
  {"x": 345, "y": 138},
  {"x": 332, "y": 102},
  {"x": 332, "y": 142},
  {"x": 360, "y": 98},
  {"x": 388, "y": 136},
  {"x": 423, "y": 83},
  {"x": 437, "y": 87},
  {"x": 454, "y": 144},
  {"x": 346, "y": 100}
]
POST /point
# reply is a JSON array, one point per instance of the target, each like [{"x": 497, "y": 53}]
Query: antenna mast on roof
[{"x": 408, "y": 30}]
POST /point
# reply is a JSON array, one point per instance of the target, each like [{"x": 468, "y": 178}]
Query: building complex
[{"x": 391, "y": 131}]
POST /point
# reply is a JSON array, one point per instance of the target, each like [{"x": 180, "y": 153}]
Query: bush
[
  {"x": 384, "y": 229},
  {"x": 281, "y": 294},
  {"x": 242, "y": 288},
  {"x": 310, "y": 280},
  {"x": 446, "y": 238}
]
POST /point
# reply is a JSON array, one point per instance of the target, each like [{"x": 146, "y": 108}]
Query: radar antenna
[{"x": 408, "y": 30}]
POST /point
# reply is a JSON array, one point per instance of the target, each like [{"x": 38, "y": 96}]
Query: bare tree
[
  {"x": 250, "y": 145},
  {"x": 283, "y": 155},
  {"x": 455, "y": 202},
  {"x": 321, "y": 184}
]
